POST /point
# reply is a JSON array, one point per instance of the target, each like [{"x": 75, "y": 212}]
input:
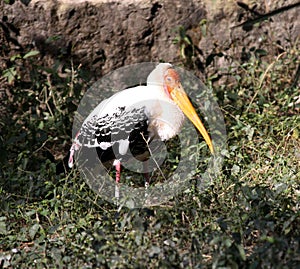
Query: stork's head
[{"x": 168, "y": 77}]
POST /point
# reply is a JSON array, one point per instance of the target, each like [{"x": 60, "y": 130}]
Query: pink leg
[
  {"x": 117, "y": 165},
  {"x": 75, "y": 146}
]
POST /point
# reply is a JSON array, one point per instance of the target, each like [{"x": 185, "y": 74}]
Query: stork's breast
[{"x": 166, "y": 120}]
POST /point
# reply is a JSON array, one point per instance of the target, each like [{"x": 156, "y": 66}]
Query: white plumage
[{"x": 155, "y": 110}]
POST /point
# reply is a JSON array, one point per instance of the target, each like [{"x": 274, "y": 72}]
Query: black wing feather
[{"x": 125, "y": 124}]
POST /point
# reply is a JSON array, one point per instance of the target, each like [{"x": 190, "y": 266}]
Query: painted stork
[{"x": 122, "y": 123}]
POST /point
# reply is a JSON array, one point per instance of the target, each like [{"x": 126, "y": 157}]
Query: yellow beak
[{"x": 181, "y": 99}]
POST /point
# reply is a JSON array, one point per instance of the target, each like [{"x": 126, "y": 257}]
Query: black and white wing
[{"x": 115, "y": 135}]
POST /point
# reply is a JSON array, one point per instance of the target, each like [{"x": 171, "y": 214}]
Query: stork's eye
[{"x": 169, "y": 79}]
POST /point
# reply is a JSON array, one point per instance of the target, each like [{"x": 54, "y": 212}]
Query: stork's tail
[{"x": 75, "y": 146}]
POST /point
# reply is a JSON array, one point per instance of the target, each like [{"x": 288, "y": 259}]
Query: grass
[{"x": 248, "y": 218}]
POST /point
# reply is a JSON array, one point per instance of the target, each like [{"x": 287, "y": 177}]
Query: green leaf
[
  {"x": 14, "y": 57},
  {"x": 10, "y": 74},
  {"x": 242, "y": 252},
  {"x": 154, "y": 250},
  {"x": 261, "y": 52},
  {"x": 235, "y": 169},
  {"x": 33, "y": 230},
  {"x": 53, "y": 38},
  {"x": 227, "y": 242},
  {"x": 31, "y": 54},
  {"x": 203, "y": 27},
  {"x": 41, "y": 125},
  {"x": 10, "y": 2},
  {"x": 3, "y": 229}
]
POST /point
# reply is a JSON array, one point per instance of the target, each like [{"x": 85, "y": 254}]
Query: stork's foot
[{"x": 146, "y": 174}]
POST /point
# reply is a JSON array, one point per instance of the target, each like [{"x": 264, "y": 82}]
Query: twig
[
  {"x": 267, "y": 15},
  {"x": 153, "y": 156}
]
